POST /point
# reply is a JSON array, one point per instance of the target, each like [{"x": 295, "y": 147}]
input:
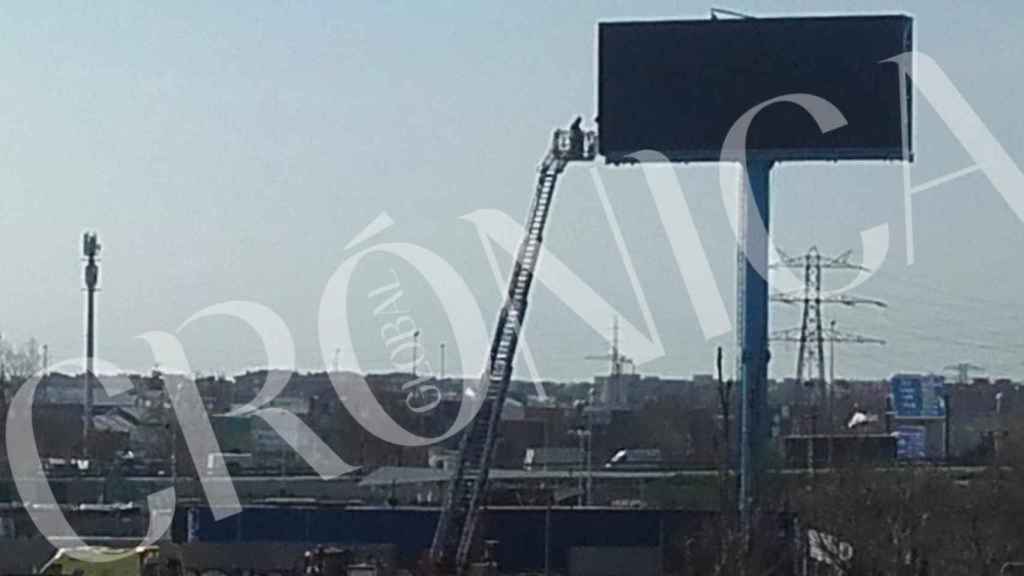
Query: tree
[
  {"x": 20, "y": 361},
  {"x": 17, "y": 364},
  {"x": 915, "y": 521}
]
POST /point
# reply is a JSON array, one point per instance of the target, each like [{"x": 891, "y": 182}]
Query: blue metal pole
[{"x": 753, "y": 317}]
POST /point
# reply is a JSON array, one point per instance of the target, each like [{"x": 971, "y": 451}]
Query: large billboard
[
  {"x": 677, "y": 87},
  {"x": 918, "y": 396}
]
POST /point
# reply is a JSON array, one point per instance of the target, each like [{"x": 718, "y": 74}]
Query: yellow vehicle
[{"x": 107, "y": 561}]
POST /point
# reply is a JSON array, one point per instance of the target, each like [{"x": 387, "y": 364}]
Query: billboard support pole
[{"x": 753, "y": 316}]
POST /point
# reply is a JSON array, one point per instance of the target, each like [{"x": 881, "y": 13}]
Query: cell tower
[
  {"x": 90, "y": 249},
  {"x": 811, "y": 334}
]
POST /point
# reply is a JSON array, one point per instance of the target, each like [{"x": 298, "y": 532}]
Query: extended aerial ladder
[{"x": 456, "y": 527}]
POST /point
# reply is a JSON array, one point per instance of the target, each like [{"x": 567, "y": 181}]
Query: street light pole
[
  {"x": 442, "y": 360},
  {"x": 415, "y": 350},
  {"x": 174, "y": 438},
  {"x": 590, "y": 457}
]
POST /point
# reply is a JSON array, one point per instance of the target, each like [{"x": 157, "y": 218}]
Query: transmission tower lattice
[
  {"x": 963, "y": 371},
  {"x": 811, "y": 334}
]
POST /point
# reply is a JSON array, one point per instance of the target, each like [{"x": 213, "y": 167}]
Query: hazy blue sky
[{"x": 231, "y": 151}]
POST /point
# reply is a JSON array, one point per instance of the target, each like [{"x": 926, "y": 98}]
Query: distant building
[
  {"x": 553, "y": 458},
  {"x": 513, "y": 410},
  {"x": 614, "y": 392},
  {"x": 442, "y": 458},
  {"x": 56, "y": 388}
]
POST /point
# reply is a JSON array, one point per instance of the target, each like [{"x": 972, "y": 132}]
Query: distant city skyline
[
  {"x": 225, "y": 154},
  {"x": 699, "y": 378}
]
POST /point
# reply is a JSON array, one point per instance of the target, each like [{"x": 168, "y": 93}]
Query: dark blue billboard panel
[{"x": 677, "y": 87}]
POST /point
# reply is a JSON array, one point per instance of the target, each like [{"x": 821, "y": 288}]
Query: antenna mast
[{"x": 90, "y": 249}]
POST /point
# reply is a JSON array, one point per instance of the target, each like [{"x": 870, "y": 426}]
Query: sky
[{"x": 232, "y": 151}]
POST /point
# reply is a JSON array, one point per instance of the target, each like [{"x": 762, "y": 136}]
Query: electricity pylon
[
  {"x": 963, "y": 371},
  {"x": 811, "y": 334}
]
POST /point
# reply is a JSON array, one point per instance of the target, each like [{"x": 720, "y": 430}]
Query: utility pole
[
  {"x": 46, "y": 359},
  {"x": 442, "y": 360},
  {"x": 831, "y": 374},
  {"x": 725, "y": 400},
  {"x": 588, "y": 411},
  {"x": 415, "y": 351},
  {"x": 590, "y": 457},
  {"x": 90, "y": 249},
  {"x": 947, "y": 411},
  {"x": 832, "y": 356},
  {"x": 584, "y": 432}
]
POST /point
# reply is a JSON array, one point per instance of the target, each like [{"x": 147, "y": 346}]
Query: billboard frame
[{"x": 902, "y": 152}]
